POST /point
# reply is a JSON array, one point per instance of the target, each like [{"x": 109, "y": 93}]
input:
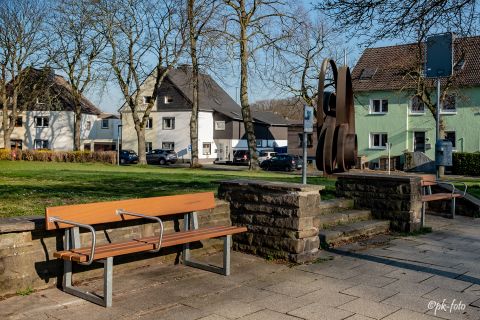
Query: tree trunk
[
  {"x": 194, "y": 117},
  {"x": 77, "y": 128},
  {"x": 142, "y": 158},
  {"x": 246, "y": 114}
]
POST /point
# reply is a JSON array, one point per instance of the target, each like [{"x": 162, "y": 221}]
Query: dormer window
[
  {"x": 168, "y": 99},
  {"x": 105, "y": 124}
]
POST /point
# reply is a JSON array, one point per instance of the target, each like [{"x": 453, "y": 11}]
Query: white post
[{"x": 389, "y": 147}]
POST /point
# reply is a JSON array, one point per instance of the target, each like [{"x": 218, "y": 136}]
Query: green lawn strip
[{"x": 26, "y": 188}]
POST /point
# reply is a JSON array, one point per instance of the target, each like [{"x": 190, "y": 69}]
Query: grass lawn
[{"x": 26, "y": 188}]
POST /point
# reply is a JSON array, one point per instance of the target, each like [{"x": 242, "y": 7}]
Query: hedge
[
  {"x": 59, "y": 156},
  {"x": 467, "y": 164}
]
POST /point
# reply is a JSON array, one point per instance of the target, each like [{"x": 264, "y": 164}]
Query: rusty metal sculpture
[{"x": 337, "y": 141}]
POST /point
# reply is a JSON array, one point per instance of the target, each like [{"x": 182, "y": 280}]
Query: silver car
[{"x": 161, "y": 156}]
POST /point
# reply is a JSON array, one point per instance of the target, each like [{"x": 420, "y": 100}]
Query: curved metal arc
[{"x": 159, "y": 245}]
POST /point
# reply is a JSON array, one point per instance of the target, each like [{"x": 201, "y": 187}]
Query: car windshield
[
  {"x": 131, "y": 152},
  {"x": 171, "y": 152}
]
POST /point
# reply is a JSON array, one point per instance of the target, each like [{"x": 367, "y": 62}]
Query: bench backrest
[{"x": 103, "y": 212}]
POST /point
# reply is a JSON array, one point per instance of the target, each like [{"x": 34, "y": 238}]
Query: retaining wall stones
[
  {"x": 389, "y": 197},
  {"x": 279, "y": 217},
  {"x": 26, "y": 248}
]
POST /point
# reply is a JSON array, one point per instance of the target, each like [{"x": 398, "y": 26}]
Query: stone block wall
[
  {"x": 279, "y": 217},
  {"x": 26, "y": 248},
  {"x": 389, "y": 197}
]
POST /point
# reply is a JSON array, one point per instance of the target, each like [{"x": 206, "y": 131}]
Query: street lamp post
[{"x": 118, "y": 142}]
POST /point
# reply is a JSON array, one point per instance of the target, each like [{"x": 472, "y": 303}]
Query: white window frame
[
  {"x": 371, "y": 139},
  {"x": 172, "y": 126},
  {"x": 220, "y": 125},
  {"x": 21, "y": 122},
  {"x": 167, "y": 99},
  {"x": 148, "y": 146},
  {"x": 149, "y": 124},
  {"x": 450, "y": 111},
  {"x": 108, "y": 124},
  {"x": 209, "y": 148},
  {"x": 146, "y": 98},
  {"x": 372, "y": 111},
  {"x": 42, "y": 121},
  {"x": 410, "y": 108},
  {"x": 170, "y": 143},
  {"x": 88, "y": 125},
  {"x": 45, "y": 144}
]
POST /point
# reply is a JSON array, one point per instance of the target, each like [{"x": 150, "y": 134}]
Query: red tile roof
[{"x": 388, "y": 66}]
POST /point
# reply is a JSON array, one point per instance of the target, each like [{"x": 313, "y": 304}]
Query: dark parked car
[
  {"x": 161, "y": 156},
  {"x": 241, "y": 157},
  {"x": 284, "y": 162},
  {"x": 128, "y": 156}
]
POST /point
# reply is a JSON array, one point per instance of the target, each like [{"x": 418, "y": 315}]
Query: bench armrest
[
  {"x": 85, "y": 226},
  {"x": 451, "y": 184},
  {"x": 123, "y": 212}
]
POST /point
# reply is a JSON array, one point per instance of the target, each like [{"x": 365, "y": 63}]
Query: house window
[
  {"x": 378, "y": 140},
  {"x": 207, "y": 148},
  {"x": 378, "y": 106},
  {"x": 105, "y": 124},
  {"x": 147, "y": 99},
  {"x": 148, "y": 146},
  {"x": 19, "y": 122},
  {"x": 219, "y": 125},
  {"x": 309, "y": 140},
  {"x": 41, "y": 122},
  {"x": 149, "y": 124},
  {"x": 417, "y": 105},
  {"x": 168, "y": 145},
  {"x": 88, "y": 125},
  {"x": 16, "y": 144},
  {"x": 168, "y": 99},
  {"x": 41, "y": 144},
  {"x": 450, "y": 136},
  {"x": 168, "y": 123},
  {"x": 449, "y": 104}
]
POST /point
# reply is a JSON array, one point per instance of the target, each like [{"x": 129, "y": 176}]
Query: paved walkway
[{"x": 405, "y": 278}]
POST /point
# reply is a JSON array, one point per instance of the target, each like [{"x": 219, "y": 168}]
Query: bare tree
[
  {"x": 200, "y": 15},
  {"x": 21, "y": 44},
  {"x": 142, "y": 35},
  {"x": 75, "y": 50},
  {"x": 253, "y": 26}
]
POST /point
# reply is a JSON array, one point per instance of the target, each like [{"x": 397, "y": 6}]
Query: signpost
[
  {"x": 307, "y": 128},
  {"x": 439, "y": 64}
]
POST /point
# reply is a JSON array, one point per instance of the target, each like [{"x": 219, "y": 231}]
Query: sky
[{"x": 109, "y": 97}]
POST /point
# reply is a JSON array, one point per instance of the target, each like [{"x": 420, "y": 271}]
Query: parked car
[
  {"x": 128, "y": 156},
  {"x": 264, "y": 155},
  {"x": 241, "y": 157},
  {"x": 161, "y": 156},
  {"x": 284, "y": 162}
]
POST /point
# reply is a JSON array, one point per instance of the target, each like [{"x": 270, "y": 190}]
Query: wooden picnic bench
[
  {"x": 85, "y": 216},
  {"x": 428, "y": 181}
]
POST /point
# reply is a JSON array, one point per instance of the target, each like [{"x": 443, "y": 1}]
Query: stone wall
[
  {"x": 389, "y": 197},
  {"x": 279, "y": 217},
  {"x": 26, "y": 248}
]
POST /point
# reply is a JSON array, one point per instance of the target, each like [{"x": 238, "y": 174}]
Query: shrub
[
  {"x": 466, "y": 163},
  {"x": 59, "y": 156}
]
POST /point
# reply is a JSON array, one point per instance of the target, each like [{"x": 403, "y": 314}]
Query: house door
[
  {"x": 419, "y": 141},
  {"x": 221, "y": 152}
]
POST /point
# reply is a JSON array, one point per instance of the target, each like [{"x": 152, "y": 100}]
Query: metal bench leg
[
  {"x": 191, "y": 222},
  {"x": 422, "y": 218},
  {"x": 453, "y": 208}
]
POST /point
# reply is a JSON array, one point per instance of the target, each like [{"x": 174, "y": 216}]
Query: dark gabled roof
[
  {"x": 269, "y": 118},
  {"x": 386, "y": 68},
  {"x": 43, "y": 90}
]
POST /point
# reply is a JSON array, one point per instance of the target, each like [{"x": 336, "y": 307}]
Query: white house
[
  {"x": 49, "y": 123},
  {"x": 220, "y": 126}
]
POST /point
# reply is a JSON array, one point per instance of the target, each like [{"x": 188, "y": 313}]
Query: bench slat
[
  {"x": 104, "y": 212},
  {"x": 439, "y": 196},
  {"x": 149, "y": 243}
]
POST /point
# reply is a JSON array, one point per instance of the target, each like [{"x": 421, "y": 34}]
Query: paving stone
[
  {"x": 318, "y": 311},
  {"x": 449, "y": 295},
  {"x": 231, "y": 309},
  {"x": 413, "y": 288},
  {"x": 246, "y": 294},
  {"x": 328, "y": 298},
  {"x": 213, "y": 317},
  {"x": 405, "y": 314},
  {"x": 336, "y": 285},
  {"x": 180, "y": 312},
  {"x": 369, "y": 308},
  {"x": 283, "y": 303},
  {"x": 447, "y": 283},
  {"x": 295, "y": 289},
  {"x": 370, "y": 293},
  {"x": 268, "y": 315},
  {"x": 409, "y": 275},
  {"x": 337, "y": 272},
  {"x": 374, "y": 268},
  {"x": 358, "y": 317},
  {"x": 408, "y": 301},
  {"x": 372, "y": 280}
]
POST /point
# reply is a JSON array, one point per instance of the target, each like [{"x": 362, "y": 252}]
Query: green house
[{"x": 388, "y": 111}]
